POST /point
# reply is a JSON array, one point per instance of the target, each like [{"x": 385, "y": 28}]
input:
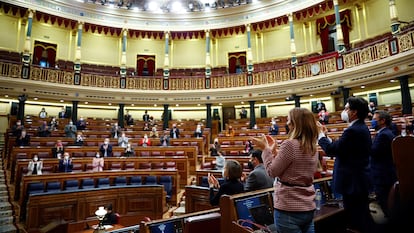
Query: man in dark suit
[
  {"x": 106, "y": 148},
  {"x": 62, "y": 113},
  {"x": 258, "y": 177},
  {"x": 351, "y": 176},
  {"x": 383, "y": 172},
  {"x": 174, "y": 132}
]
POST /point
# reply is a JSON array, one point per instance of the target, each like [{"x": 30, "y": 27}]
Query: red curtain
[
  {"x": 145, "y": 65},
  {"x": 44, "y": 52},
  {"x": 237, "y": 62},
  {"x": 322, "y": 27}
]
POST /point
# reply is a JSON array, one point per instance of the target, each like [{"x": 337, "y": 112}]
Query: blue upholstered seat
[
  {"x": 103, "y": 182},
  {"x": 135, "y": 180},
  {"x": 88, "y": 183},
  {"x": 120, "y": 181},
  {"x": 151, "y": 180},
  {"x": 53, "y": 186},
  {"x": 35, "y": 187},
  {"x": 71, "y": 184}
]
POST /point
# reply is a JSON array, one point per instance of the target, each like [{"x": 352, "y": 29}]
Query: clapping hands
[
  {"x": 265, "y": 142},
  {"x": 213, "y": 182}
]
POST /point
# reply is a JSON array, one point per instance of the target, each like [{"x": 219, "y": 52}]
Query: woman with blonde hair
[{"x": 294, "y": 165}]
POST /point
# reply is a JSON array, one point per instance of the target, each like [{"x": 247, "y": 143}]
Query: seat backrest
[
  {"x": 135, "y": 180},
  {"x": 78, "y": 154},
  {"x": 144, "y": 165},
  {"x": 35, "y": 187},
  {"x": 103, "y": 182},
  {"x": 53, "y": 186},
  {"x": 77, "y": 167},
  {"x": 204, "y": 223},
  {"x": 169, "y": 153},
  {"x": 71, "y": 184},
  {"x": 157, "y": 165},
  {"x": 90, "y": 154},
  {"x": 116, "y": 166},
  {"x": 151, "y": 180},
  {"x": 88, "y": 183},
  {"x": 170, "y": 165},
  {"x": 120, "y": 181},
  {"x": 155, "y": 153},
  {"x": 402, "y": 152},
  {"x": 166, "y": 181},
  {"x": 130, "y": 166}
]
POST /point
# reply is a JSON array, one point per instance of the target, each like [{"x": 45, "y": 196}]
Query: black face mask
[{"x": 250, "y": 165}]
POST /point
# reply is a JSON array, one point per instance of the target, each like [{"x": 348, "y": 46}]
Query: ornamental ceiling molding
[{"x": 192, "y": 21}]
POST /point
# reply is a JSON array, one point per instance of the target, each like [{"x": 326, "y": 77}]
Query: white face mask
[
  {"x": 344, "y": 116},
  {"x": 66, "y": 157},
  {"x": 98, "y": 155},
  {"x": 106, "y": 143},
  {"x": 35, "y": 159}
]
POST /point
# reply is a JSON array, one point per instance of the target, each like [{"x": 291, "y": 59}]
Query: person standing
[
  {"x": 165, "y": 139},
  {"x": 383, "y": 171},
  {"x": 35, "y": 166},
  {"x": 43, "y": 113},
  {"x": 23, "y": 139},
  {"x": 53, "y": 124},
  {"x": 174, "y": 132},
  {"x": 243, "y": 113},
  {"x": 258, "y": 177},
  {"x": 123, "y": 140},
  {"x": 145, "y": 141},
  {"x": 116, "y": 130},
  {"x": 274, "y": 129},
  {"x": 198, "y": 133},
  {"x": 65, "y": 163},
  {"x": 106, "y": 148},
  {"x": 146, "y": 116},
  {"x": 97, "y": 163},
  {"x": 62, "y": 113},
  {"x": 70, "y": 130},
  {"x": 293, "y": 164},
  {"x": 351, "y": 176}
]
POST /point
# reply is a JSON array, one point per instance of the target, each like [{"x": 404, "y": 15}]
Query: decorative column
[
  {"x": 121, "y": 115},
  {"x": 252, "y": 114},
  {"x": 249, "y": 57},
  {"x": 123, "y": 69},
  {"x": 20, "y": 113},
  {"x": 209, "y": 121},
  {"x": 293, "y": 60},
  {"x": 395, "y": 24},
  {"x": 166, "y": 72},
  {"x": 27, "y": 47},
  {"x": 208, "y": 60},
  {"x": 78, "y": 56},
  {"x": 75, "y": 111},
  {"x": 296, "y": 98},
  {"x": 339, "y": 36},
  {"x": 405, "y": 96},
  {"x": 165, "y": 117}
]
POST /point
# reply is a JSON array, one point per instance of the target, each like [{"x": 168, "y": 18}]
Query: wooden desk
[{"x": 91, "y": 230}]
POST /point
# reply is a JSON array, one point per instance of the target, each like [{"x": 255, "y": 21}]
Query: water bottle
[{"x": 318, "y": 199}]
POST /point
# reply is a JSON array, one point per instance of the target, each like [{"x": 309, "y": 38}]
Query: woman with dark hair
[
  {"x": 294, "y": 165},
  {"x": 232, "y": 173}
]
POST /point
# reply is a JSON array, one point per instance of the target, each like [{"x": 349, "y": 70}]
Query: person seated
[
  {"x": 258, "y": 177},
  {"x": 79, "y": 139},
  {"x": 106, "y": 148},
  {"x": 145, "y": 141},
  {"x": 165, "y": 140},
  {"x": 110, "y": 217},
  {"x": 58, "y": 149},
  {"x": 220, "y": 160},
  {"x": 123, "y": 140},
  {"x": 154, "y": 132},
  {"x": 230, "y": 131},
  {"x": 23, "y": 139},
  {"x": 81, "y": 124},
  {"x": 152, "y": 121},
  {"x": 53, "y": 124},
  {"x": 35, "y": 166},
  {"x": 129, "y": 151},
  {"x": 65, "y": 163},
  {"x": 115, "y": 130},
  {"x": 215, "y": 147},
  {"x": 198, "y": 133},
  {"x": 43, "y": 113},
  {"x": 274, "y": 129},
  {"x": 146, "y": 127},
  {"x": 97, "y": 163},
  {"x": 43, "y": 130},
  {"x": 174, "y": 132},
  {"x": 232, "y": 185},
  {"x": 17, "y": 128}
]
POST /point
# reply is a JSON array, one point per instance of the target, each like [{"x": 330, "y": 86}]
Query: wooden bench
[
  {"x": 62, "y": 177},
  {"x": 179, "y": 163},
  {"x": 46, "y": 152},
  {"x": 78, "y": 207}
]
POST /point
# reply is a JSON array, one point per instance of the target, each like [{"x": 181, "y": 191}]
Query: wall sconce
[{"x": 100, "y": 214}]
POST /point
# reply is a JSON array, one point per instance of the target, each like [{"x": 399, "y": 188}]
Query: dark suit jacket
[
  {"x": 382, "y": 164},
  {"x": 229, "y": 187},
  {"x": 351, "y": 152},
  {"x": 258, "y": 179},
  {"x": 177, "y": 132},
  {"x": 108, "y": 150}
]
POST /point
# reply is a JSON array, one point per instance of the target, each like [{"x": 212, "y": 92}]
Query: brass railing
[{"x": 353, "y": 58}]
